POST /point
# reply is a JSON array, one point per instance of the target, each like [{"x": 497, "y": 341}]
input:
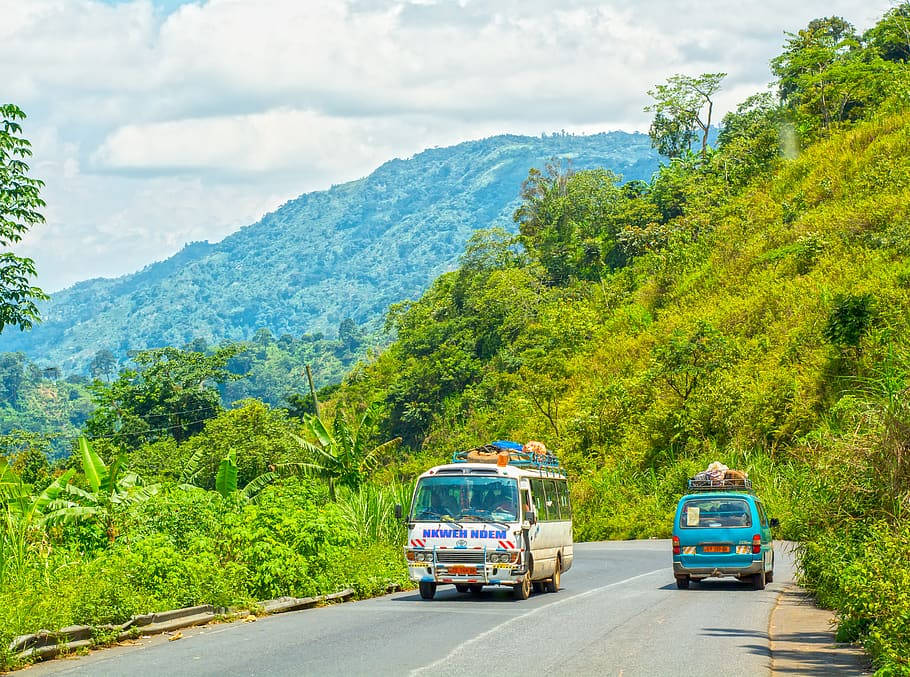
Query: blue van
[{"x": 720, "y": 531}]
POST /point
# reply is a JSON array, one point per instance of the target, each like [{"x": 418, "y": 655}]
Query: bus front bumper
[{"x": 489, "y": 574}]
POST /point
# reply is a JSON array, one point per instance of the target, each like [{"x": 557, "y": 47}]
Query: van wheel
[
  {"x": 476, "y": 589},
  {"x": 553, "y": 584},
  {"x": 682, "y": 582},
  {"x": 523, "y": 590},
  {"x": 462, "y": 587},
  {"x": 758, "y": 581},
  {"x": 427, "y": 589}
]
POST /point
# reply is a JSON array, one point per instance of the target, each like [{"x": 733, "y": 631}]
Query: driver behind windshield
[{"x": 440, "y": 502}]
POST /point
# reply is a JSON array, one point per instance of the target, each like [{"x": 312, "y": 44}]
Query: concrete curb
[{"x": 46, "y": 644}]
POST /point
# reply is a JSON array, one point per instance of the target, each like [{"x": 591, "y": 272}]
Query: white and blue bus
[{"x": 496, "y": 515}]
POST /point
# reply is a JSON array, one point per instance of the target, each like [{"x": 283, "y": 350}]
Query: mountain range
[{"x": 346, "y": 252}]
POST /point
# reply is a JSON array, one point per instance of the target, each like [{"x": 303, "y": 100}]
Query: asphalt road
[{"x": 618, "y": 613}]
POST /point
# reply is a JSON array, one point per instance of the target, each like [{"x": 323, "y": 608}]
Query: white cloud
[{"x": 154, "y": 127}]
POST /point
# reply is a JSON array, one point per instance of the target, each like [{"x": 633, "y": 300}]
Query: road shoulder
[{"x": 802, "y": 639}]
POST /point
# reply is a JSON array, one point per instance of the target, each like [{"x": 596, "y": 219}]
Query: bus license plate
[
  {"x": 461, "y": 569},
  {"x": 716, "y": 548}
]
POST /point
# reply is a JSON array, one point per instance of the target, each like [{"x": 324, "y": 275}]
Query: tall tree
[
  {"x": 681, "y": 107},
  {"x": 19, "y": 204},
  {"x": 171, "y": 394},
  {"x": 103, "y": 364}
]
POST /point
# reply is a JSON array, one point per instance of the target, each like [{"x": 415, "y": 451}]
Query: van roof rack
[
  {"x": 741, "y": 485},
  {"x": 489, "y": 453}
]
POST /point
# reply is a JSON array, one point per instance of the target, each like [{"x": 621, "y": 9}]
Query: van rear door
[{"x": 715, "y": 532}]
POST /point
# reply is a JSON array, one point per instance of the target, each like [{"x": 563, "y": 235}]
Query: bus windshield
[{"x": 466, "y": 499}]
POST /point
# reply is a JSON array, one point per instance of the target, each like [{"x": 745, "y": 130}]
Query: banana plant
[
  {"x": 343, "y": 455},
  {"x": 109, "y": 486},
  {"x": 21, "y": 512},
  {"x": 226, "y": 480}
]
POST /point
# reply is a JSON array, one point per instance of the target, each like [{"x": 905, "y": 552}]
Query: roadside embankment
[{"x": 803, "y": 641}]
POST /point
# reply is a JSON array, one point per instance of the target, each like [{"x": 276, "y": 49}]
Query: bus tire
[
  {"x": 522, "y": 590},
  {"x": 476, "y": 589},
  {"x": 758, "y": 580},
  {"x": 462, "y": 587},
  {"x": 682, "y": 582},
  {"x": 552, "y": 585},
  {"x": 427, "y": 589},
  {"x": 538, "y": 586}
]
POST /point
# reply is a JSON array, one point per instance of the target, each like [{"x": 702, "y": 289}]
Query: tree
[
  {"x": 569, "y": 221},
  {"x": 680, "y": 106},
  {"x": 103, "y": 364},
  {"x": 171, "y": 394},
  {"x": 108, "y": 487},
  {"x": 688, "y": 358},
  {"x": 19, "y": 204},
  {"x": 826, "y": 77},
  {"x": 343, "y": 455},
  {"x": 890, "y": 37},
  {"x": 750, "y": 138}
]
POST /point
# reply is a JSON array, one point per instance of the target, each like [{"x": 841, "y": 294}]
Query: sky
[{"x": 159, "y": 122}]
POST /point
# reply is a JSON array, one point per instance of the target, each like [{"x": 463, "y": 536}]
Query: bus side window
[
  {"x": 565, "y": 510},
  {"x": 552, "y": 500},
  {"x": 540, "y": 500},
  {"x": 526, "y": 503}
]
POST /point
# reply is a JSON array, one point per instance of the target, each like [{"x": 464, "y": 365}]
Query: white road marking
[{"x": 533, "y": 611}]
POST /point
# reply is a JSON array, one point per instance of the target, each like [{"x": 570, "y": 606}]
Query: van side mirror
[
  {"x": 774, "y": 522},
  {"x": 398, "y": 511},
  {"x": 531, "y": 516}
]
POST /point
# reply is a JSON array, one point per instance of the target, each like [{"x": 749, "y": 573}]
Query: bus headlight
[{"x": 502, "y": 557}]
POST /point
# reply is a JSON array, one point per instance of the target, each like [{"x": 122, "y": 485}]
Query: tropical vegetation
[{"x": 748, "y": 304}]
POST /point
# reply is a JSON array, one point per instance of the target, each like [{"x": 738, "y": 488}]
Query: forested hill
[{"x": 346, "y": 252}]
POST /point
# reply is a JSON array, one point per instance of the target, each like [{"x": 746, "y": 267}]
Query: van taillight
[
  {"x": 676, "y": 549},
  {"x": 756, "y": 544}
]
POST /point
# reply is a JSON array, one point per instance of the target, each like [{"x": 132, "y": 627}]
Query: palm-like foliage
[
  {"x": 226, "y": 479},
  {"x": 109, "y": 486},
  {"x": 21, "y": 512},
  {"x": 344, "y": 455}
]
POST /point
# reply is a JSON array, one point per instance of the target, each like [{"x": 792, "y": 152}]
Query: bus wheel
[
  {"x": 758, "y": 580},
  {"x": 553, "y": 584},
  {"x": 427, "y": 589},
  {"x": 462, "y": 587},
  {"x": 682, "y": 582},
  {"x": 476, "y": 589},
  {"x": 523, "y": 589},
  {"x": 538, "y": 586}
]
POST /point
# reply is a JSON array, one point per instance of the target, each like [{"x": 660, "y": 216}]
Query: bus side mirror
[
  {"x": 774, "y": 522},
  {"x": 398, "y": 511},
  {"x": 531, "y": 516}
]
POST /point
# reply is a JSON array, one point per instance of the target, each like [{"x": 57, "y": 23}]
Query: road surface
[{"x": 618, "y": 613}]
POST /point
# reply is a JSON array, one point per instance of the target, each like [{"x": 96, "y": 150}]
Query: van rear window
[{"x": 705, "y": 513}]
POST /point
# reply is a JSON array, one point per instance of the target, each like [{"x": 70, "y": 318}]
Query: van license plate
[
  {"x": 460, "y": 569},
  {"x": 716, "y": 548}
]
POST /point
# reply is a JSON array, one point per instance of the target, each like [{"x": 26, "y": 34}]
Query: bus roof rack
[
  {"x": 721, "y": 485},
  {"x": 489, "y": 453}
]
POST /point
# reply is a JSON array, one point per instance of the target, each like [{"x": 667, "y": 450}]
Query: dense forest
[
  {"x": 43, "y": 404},
  {"x": 347, "y": 252},
  {"x": 748, "y": 304}
]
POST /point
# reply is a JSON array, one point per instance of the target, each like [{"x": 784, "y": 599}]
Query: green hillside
[
  {"x": 750, "y": 306},
  {"x": 326, "y": 256}
]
